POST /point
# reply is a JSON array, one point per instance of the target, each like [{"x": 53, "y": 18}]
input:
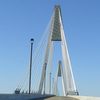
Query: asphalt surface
[{"x": 59, "y": 98}]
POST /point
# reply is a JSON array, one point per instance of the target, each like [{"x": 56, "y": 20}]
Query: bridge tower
[{"x": 57, "y": 34}]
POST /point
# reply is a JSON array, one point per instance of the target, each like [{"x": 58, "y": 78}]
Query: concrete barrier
[
  {"x": 86, "y": 97},
  {"x": 22, "y": 96}
]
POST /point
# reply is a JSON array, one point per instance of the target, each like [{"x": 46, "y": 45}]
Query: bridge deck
[
  {"x": 72, "y": 98},
  {"x": 59, "y": 98}
]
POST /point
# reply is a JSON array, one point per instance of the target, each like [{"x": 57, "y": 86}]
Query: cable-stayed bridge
[
  {"x": 51, "y": 62},
  {"x": 64, "y": 70},
  {"x": 51, "y": 66}
]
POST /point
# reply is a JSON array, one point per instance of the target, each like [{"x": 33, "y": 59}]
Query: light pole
[{"x": 32, "y": 40}]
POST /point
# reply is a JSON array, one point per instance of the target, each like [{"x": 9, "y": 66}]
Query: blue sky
[{"x": 22, "y": 19}]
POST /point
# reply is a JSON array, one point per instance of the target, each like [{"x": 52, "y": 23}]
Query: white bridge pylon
[
  {"x": 59, "y": 74},
  {"x": 57, "y": 34}
]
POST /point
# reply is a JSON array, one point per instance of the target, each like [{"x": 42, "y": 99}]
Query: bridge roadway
[
  {"x": 58, "y": 98},
  {"x": 71, "y": 98}
]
